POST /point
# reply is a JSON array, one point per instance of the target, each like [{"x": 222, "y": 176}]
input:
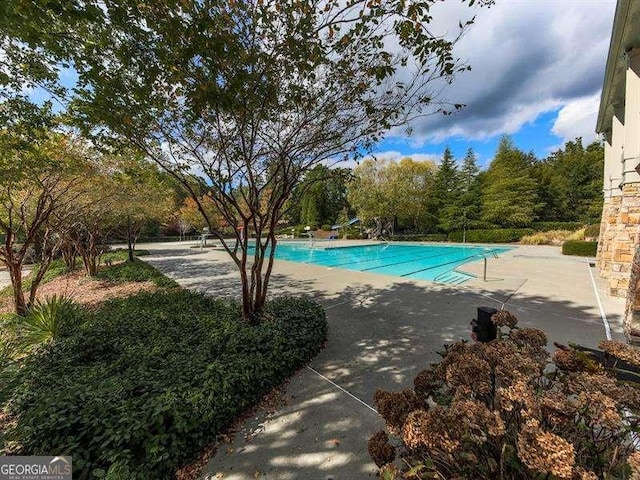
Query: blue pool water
[{"x": 424, "y": 262}]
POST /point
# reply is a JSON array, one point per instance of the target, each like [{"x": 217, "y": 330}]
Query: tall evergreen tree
[
  {"x": 469, "y": 170},
  {"x": 510, "y": 196},
  {"x": 469, "y": 201},
  {"x": 445, "y": 191}
]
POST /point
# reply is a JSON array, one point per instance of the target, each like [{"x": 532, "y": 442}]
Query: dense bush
[
  {"x": 420, "y": 237},
  {"x": 499, "y": 410},
  {"x": 151, "y": 379},
  {"x": 580, "y": 248},
  {"x": 548, "y": 226},
  {"x": 497, "y": 235},
  {"x": 136, "y": 271},
  {"x": 592, "y": 231}
]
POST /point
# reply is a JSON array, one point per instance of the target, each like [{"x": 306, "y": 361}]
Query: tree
[
  {"x": 570, "y": 181},
  {"x": 368, "y": 193},
  {"x": 469, "y": 200},
  {"x": 389, "y": 192},
  {"x": 445, "y": 192},
  {"x": 143, "y": 196},
  {"x": 410, "y": 183},
  {"x": 38, "y": 172},
  {"x": 510, "y": 193},
  {"x": 190, "y": 214},
  {"x": 321, "y": 196},
  {"x": 252, "y": 94}
]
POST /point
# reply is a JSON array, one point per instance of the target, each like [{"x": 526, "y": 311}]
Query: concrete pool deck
[{"x": 383, "y": 331}]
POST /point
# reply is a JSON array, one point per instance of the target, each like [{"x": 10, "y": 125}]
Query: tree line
[{"x": 409, "y": 196}]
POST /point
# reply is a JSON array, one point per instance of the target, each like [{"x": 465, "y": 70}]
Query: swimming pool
[{"x": 424, "y": 262}]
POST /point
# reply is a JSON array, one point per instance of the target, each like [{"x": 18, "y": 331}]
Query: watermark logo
[{"x": 35, "y": 468}]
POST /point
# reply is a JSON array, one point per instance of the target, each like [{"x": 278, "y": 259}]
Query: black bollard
[{"x": 482, "y": 328}]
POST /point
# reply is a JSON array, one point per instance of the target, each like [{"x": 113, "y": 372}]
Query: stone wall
[
  {"x": 610, "y": 211},
  {"x": 618, "y": 238},
  {"x": 631, "y": 321}
]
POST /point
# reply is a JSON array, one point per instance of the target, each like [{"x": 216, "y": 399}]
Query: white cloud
[
  {"x": 528, "y": 57},
  {"x": 578, "y": 119}
]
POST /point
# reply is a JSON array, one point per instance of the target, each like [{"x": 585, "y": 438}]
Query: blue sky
[{"x": 537, "y": 71}]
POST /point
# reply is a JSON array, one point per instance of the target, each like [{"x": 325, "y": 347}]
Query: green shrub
[
  {"x": 592, "y": 231},
  {"x": 497, "y": 235},
  {"x": 152, "y": 379},
  {"x": 548, "y": 226},
  {"x": 580, "y": 248},
  {"x": 47, "y": 320},
  {"x": 136, "y": 271},
  {"x": 325, "y": 228}
]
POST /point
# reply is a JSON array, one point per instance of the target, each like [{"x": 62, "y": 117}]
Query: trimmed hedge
[
  {"x": 497, "y": 235},
  {"x": 420, "y": 237},
  {"x": 580, "y": 248},
  {"x": 549, "y": 226},
  {"x": 151, "y": 379}
]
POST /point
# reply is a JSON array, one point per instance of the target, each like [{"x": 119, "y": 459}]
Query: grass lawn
[{"x": 149, "y": 380}]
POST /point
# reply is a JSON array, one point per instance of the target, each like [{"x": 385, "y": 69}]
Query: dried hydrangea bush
[{"x": 506, "y": 410}]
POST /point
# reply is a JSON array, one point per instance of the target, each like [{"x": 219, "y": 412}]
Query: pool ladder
[{"x": 484, "y": 275}]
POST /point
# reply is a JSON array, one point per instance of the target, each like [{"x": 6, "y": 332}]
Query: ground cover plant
[
  {"x": 149, "y": 380},
  {"x": 505, "y": 410},
  {"x": 136, "y": 271}
]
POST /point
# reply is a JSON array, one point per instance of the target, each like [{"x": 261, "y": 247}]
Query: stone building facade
[{"x": 618, "y": 258}]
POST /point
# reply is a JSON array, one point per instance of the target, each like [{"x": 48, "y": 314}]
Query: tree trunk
[
  {"x": 15, "y": 271},
  {"x": 130, "y": 241},
  {"x": 69, "y": 255}
]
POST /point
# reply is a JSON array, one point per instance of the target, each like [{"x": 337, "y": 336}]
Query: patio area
[{"x": 383, "y": 331}]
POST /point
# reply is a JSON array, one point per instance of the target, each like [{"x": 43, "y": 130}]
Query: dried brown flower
[
  {"x": 557, "y": 408},
  {"x": 426, "y": 382},
  {"x": 544, "y": 451},
  {"x": 634, "y": 463},
  {"x": 380, "y": 450},
  {"x": 622, "y": 351},
  {"x": 528, "y": 336},
  {"x": 431, "y": 430},
  {"x": 470, "y": 374},
  {"x": 504, "y": 318},
  {"x": 395, "y": 406},
  {"x": 500, "y": 413},
  {"x": 476, "y": 418},
  {"x": 520, "y": 396},
  {"x": 600, "y": 409}
]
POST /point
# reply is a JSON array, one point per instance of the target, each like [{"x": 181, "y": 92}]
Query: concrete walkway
[
  {"x": 383, "y": 331},
  {"x": 4, "y": 278}
]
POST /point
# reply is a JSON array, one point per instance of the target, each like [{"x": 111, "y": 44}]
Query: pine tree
[
  {"x": 469, "y": 202},
  {"x": 445, "y": 191}
]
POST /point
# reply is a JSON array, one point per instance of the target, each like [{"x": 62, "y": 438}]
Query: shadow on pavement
[{"x": 382, "y": 334}]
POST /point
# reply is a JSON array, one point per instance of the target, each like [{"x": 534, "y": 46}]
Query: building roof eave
[{"x": 613, "y": 86}]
